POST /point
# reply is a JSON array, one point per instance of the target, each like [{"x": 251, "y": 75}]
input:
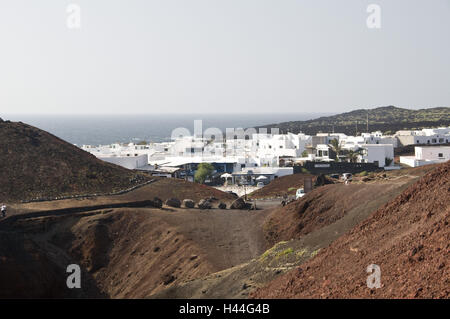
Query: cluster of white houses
[{"x": 269, "y": 155}]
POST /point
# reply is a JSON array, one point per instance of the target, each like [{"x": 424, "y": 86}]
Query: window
[
  {"x": 433, "y": 140},
  {"x": 440, "y": 155}
]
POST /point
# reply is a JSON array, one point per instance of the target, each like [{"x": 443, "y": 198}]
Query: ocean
[{"x": 107, "y": 129}]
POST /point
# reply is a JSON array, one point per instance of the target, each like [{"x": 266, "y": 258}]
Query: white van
[
  {"x": 347, "y": 176},
  {"x": 300, "y": 193}
]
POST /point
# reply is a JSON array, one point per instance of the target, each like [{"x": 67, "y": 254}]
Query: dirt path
[{"x": 228, "y": 237}]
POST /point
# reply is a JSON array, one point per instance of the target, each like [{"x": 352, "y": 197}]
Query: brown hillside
[
  {"x": 408, "y": 238},
  {"x": 123, "y": 253},
  {"x": 35, "y": 164},
  {"x": 324, "y": 206}
]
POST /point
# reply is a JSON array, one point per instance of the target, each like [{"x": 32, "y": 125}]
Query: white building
[
  {"x": 257, "y": 150},
  {"x": 377, "y": 154},
  {"x": 131, "y": 161},
  {"x": 427, "y": 155}
]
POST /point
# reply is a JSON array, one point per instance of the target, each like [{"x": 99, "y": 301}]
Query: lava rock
[
  {"x": 204, "y": 204},
  {"x": 157, "y": 202},
  {"x": 238, "y": 204},
  {"x": 173, "y": 202},
  {"x": 188, "y": 203}
]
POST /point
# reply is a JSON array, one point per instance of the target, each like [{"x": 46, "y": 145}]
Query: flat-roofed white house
[
  {"x": 426, "y": 136},
  {"x": 425, "y": 155},
  {"x": 377, "y": 153}
]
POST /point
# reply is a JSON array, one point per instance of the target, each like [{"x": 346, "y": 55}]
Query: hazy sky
[{"x": 144, "y": 56}]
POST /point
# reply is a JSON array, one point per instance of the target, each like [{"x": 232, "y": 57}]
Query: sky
[{"x": 219, "y": 56}]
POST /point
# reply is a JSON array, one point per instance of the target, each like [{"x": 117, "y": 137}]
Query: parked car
[
  {"x": 260, "y": 184},
  {"x": 347, "y": 176},
  {"x": 336, "y": 176},
  {"x": 300, "y": 193}
]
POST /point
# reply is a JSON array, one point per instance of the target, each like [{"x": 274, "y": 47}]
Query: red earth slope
[{"x": 409, "y": 238}]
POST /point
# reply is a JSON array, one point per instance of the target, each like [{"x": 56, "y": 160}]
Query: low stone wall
[
  {"x": 81, "y": 209},
  {"x": 47, "y": 199}
]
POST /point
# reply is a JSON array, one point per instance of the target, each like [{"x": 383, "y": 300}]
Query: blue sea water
[{"x": 107, "y": 129}]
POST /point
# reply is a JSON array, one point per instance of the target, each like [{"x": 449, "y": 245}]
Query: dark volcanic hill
[
  {"x": 388, "y": 119},
  {"x": 35, "y": 164}
]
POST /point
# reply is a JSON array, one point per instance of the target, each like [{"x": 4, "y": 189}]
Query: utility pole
[{"x": 367, "y": 121}]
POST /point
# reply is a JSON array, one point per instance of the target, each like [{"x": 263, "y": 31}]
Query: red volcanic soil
[
  {"x": 324, "y": 206},
  {"x": 408, "y": 238}
]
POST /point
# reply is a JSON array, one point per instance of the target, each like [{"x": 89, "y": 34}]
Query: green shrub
[
  {"x": 285, "y": 252},
  {"x": 203, "y": 172},
  {"x": 301, "y": 253}
]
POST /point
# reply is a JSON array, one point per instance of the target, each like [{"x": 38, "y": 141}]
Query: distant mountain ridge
[{"x": 387, "y": 119}]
